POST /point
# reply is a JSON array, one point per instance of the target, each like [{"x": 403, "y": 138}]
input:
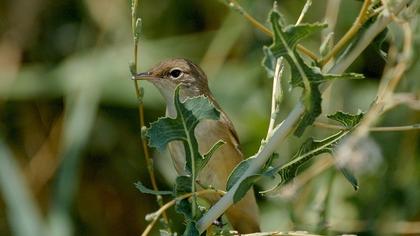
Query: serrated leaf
[
  {"x": 139, "y": 185},
  {"x": 308, "y": 77},
  {"x": 182, "y": 185},
  {"x": 309, "y": 149},
  {"x": 347, "y": 120},
  {"x": 189, "y": 114},
  {"x": 284, "y": 45},
  {"x": 191, "y": 229}
]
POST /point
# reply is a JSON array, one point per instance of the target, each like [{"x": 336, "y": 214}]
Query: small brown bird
[{"x": 166, "y": 76}]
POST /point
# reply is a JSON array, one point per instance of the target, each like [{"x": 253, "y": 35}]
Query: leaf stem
[
  {"x": 235, "y": 5},
  {"x": 139, "y": 94},
  {"x": 360, "y": 20},
  {"x": 193, "y": 171},
  {"x": 169, "y": 204}
]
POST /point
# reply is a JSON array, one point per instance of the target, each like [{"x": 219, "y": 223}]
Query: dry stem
[
  {"x": 139, "y": 95},
  {"x": 361, "y": 19}
]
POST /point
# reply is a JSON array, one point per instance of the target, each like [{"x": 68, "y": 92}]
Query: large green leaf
[
  {"x": 311, "y": 148},
  {"x": 308, "y": 77},
  {"x": 189, "y": 114},
  {"x": 237, "y": 173}
]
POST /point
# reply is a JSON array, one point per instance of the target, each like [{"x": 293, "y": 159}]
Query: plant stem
[
  {"x": 331, "y": 15},
  {"x": 304, "y": 11},
  {"x": 234, "y": 4},
  {"x": 360, "y": 20},
  {"x": 276, "y": 95},
  {"x": 281, "y": 132},
  {"x": 372, "y": 129},
  {"x": 169, "y": 204},
  {"x": 139, "y": 95}
]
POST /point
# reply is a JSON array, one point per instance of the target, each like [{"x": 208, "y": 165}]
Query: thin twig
[
  {"x": 360, "y": 20},
  {"x": 234, "y": 4},
  {"x": 139, "y": 95},
  {"x": 304, "y": 11},
  {"x": 372, "y": 129},
  {"x": 169, "y": 204}
]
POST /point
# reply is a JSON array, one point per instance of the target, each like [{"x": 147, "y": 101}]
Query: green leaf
[
  {"x": 209, "y": 153},
  {"x": 246, "y": 184},
  {"x": 347, "y": 120},
  {"x": 348, "y": 174},
  {"x": 139, "y": 185},
  {"x": 284, "y": 45},
  {"x": 191, "y": 229},
  {"x": 189, "y": 114},
  {"x": 269, "y": 62},
  {"x": 182, "y": 185},
  {"x": 244, "y": 187},
  {"x": 309, "y": 149},
  {"x": 237, "y": 173},
  {"x": 132, "y": 68},
  {"x": 286, "y": 38}
]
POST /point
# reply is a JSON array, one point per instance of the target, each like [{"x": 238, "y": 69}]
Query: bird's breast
[{"x": 207, "y": 133}]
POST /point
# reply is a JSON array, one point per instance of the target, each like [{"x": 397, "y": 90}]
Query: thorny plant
[{"x": 313, "y": 74}]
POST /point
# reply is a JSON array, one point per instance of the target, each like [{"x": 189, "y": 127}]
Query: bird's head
[{"x": 168, "y": 74}]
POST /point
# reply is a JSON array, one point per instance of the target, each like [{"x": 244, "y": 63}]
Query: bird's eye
[{"x": 175, "y": 73}]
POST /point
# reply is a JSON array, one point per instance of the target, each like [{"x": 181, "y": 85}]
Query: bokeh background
[{"x": 69, "y": 133}]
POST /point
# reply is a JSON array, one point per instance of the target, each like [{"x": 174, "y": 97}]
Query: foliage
[{"x": 70, "y": 127}]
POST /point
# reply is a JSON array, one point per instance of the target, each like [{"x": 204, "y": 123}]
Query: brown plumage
[{"x": 166, "y": 76}]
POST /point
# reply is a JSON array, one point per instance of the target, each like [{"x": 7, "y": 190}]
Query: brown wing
[{"x": 226, "y": 122}]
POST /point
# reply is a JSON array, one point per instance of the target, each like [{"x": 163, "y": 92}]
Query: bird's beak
[{"x": 143, "y": 76}]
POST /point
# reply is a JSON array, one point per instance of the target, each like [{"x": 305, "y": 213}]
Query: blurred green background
[{"x": 69, "y": 133}]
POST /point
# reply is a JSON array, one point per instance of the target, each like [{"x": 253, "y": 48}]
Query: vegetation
[{"x": 340, "y": 154}]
